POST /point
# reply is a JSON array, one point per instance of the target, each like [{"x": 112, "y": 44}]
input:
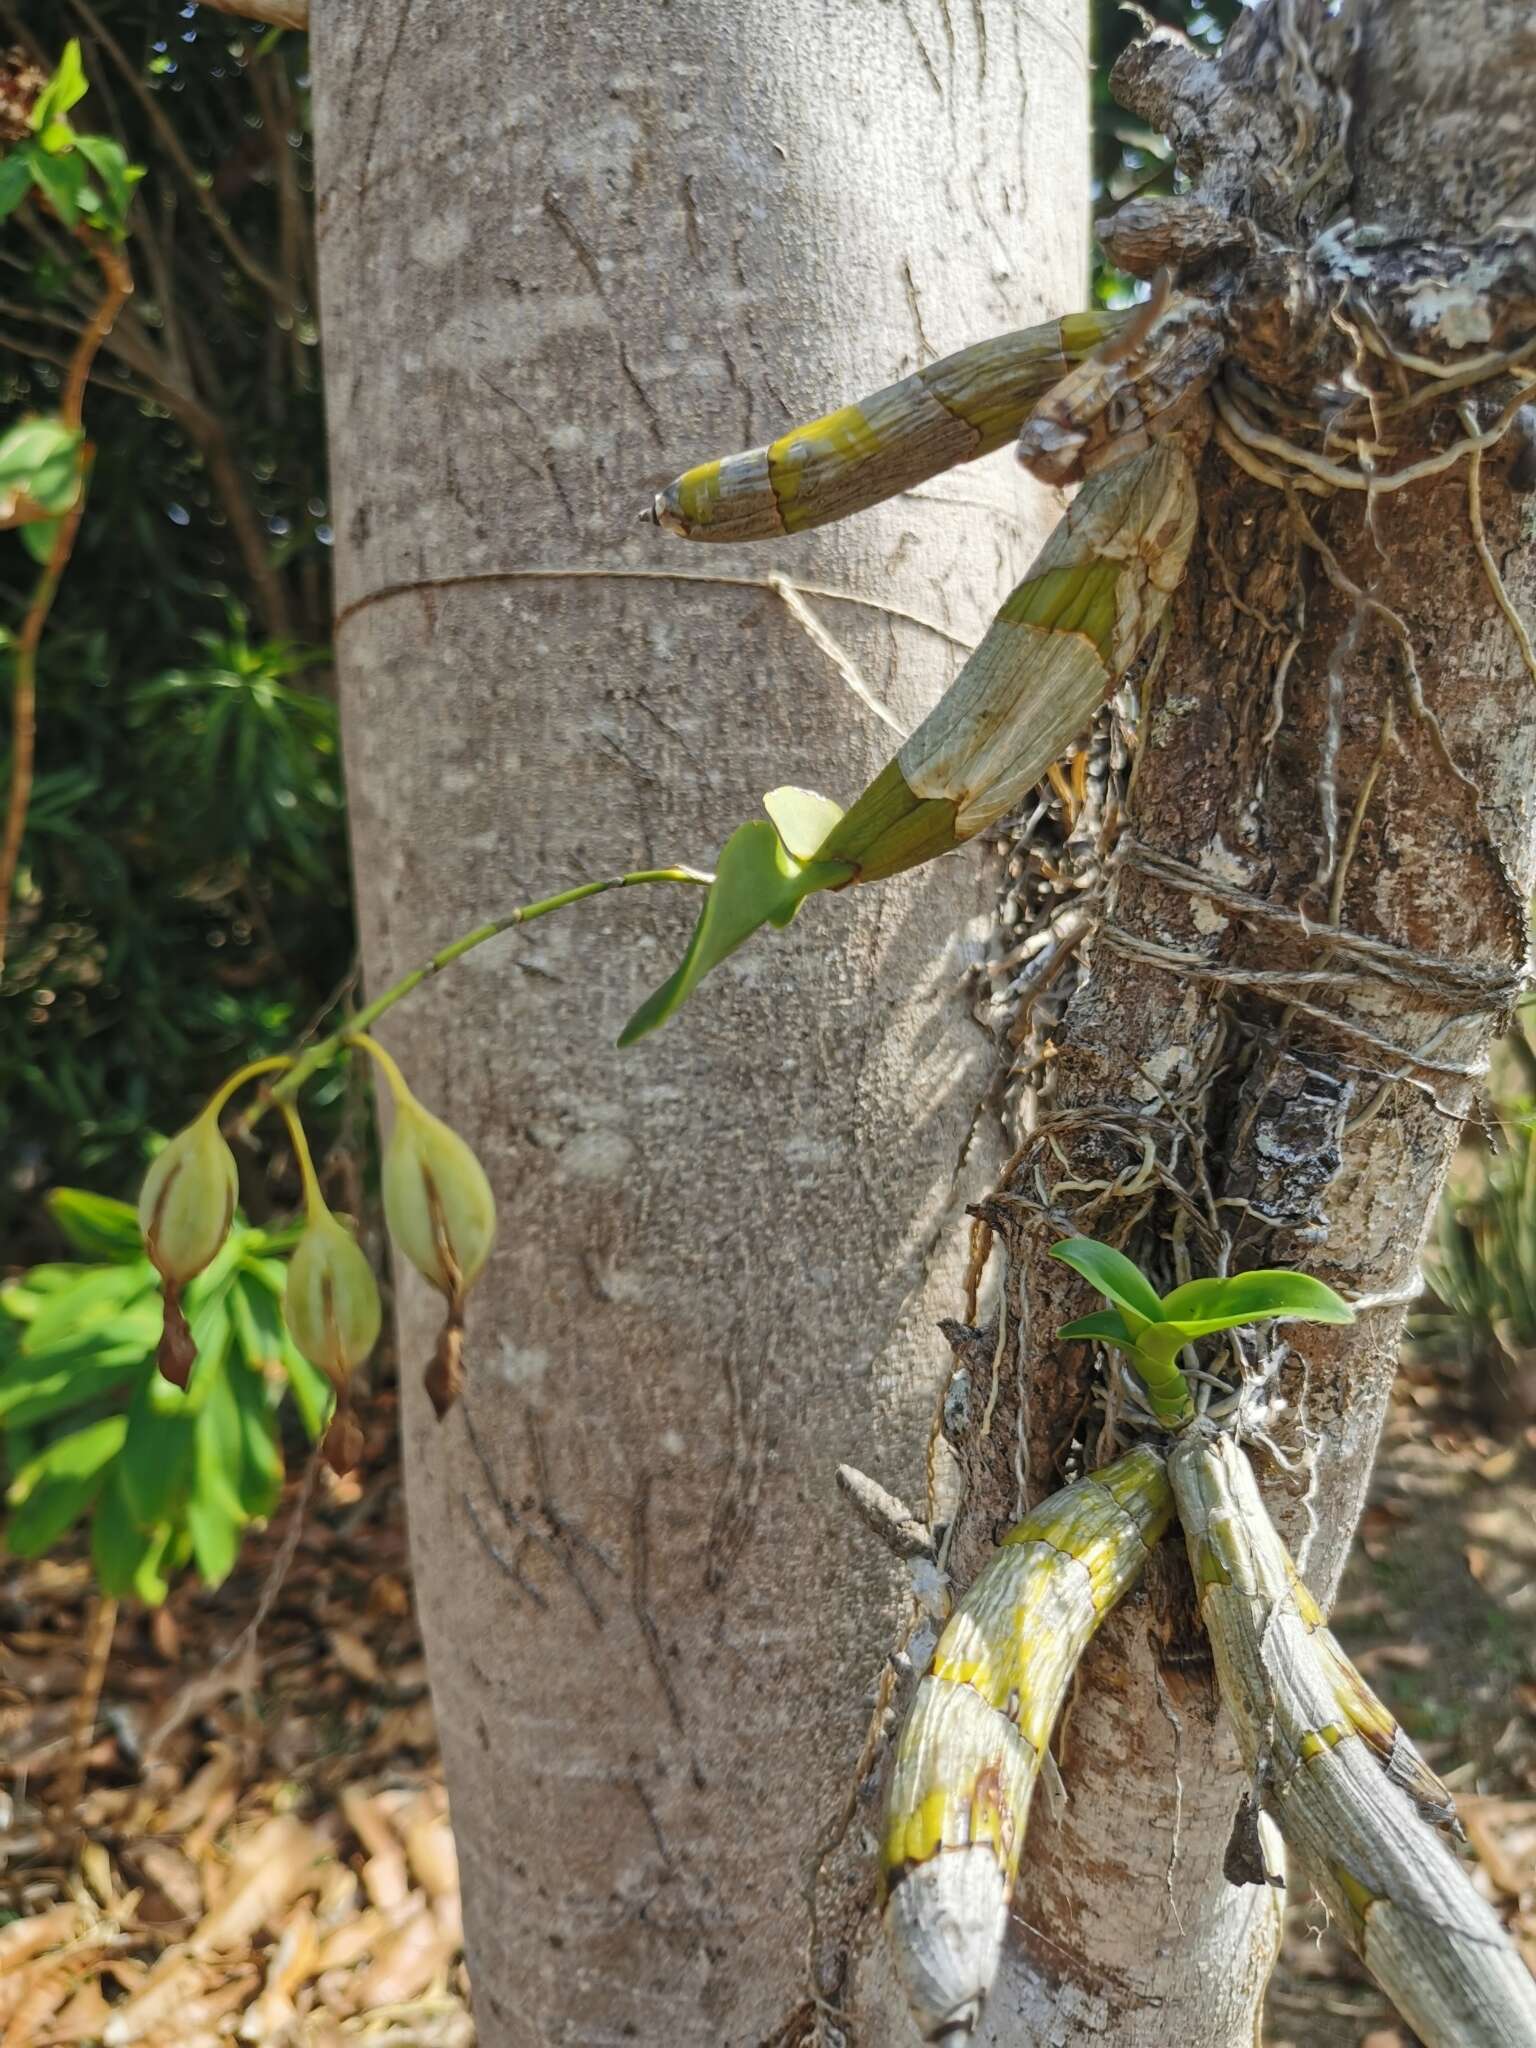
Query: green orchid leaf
[
  {"x": 1203, "y": 1307},
  {"x": 1114, "y": 1276},
  {"x": 802, "y": 818},
  {"x": 758, "y": 882},
  {"x": 1106, "y": 1326}
]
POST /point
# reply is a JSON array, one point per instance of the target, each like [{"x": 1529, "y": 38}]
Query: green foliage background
[{"x": 184, "y": 897}]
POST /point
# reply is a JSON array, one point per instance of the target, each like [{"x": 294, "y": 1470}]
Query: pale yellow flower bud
[
  {"x": 331, "y": 1303},
  {"x": 187, "y": 1202},
  {"x": 437, "y": 1201}
]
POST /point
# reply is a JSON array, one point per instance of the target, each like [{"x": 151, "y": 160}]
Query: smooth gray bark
[{"x": 566, "y": 251}]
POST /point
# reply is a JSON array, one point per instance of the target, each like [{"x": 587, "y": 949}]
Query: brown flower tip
[
  {"x": 343, "y": 1445},
  {"x": 176, "y": 1354},
  {"x": 444, "y": 1380}
]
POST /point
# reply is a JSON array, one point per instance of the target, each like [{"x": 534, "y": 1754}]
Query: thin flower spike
[
  {"x": 952, "y": 411},
  {"x": 1341, "y": 1788},
  {"x": 969, "y": 1750}
]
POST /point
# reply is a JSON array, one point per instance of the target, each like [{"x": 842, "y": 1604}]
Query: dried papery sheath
[
  {"x": 1345, "y": 1789},
  {"x": 1141, "y": 384},
  {"x": 964, "y": 406},
  {"x": 970, "y": 1748},
  {"x": 1050, "y": 658}
]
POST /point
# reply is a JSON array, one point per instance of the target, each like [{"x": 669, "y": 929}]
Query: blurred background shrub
[{"x": 183, "y": 900}]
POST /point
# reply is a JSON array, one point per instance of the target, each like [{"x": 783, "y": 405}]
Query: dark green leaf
[
  {"x": 15, "y": 180},
  {"x": 128, "y": 1559},
  {"x": 158, "y": 1450},
  {"x": 62, "y": 181},
  {"x": 52, "y": 1506}
]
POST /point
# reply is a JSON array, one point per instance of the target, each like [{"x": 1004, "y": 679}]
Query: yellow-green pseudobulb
[{"x": 955, "y": 410}]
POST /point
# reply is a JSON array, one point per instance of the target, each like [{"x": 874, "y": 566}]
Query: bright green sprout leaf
[
  {"x": 1113, "y": 1275},
  {"x": 802, "y": 818},
  {"x": 1155, "y": 1331},
  {"x": 758, "y": 882},
  {"x": 64, "y": 90},
  {"x": 1206, "y": 1306}
]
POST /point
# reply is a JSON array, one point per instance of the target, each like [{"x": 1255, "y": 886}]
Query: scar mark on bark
[
  {"x": 572, "y": 236},
  {"x": 640, "y": 1598},
  {"x": 692, "y": 227},
  {"x": 949, "y": 32},
  {"x": 979, "y": 16},
  {"x": 922, "y": 50},
  {"x": 557, "y": 1538},
  {"x": 924, "y": 344},
  {"x": 567, "y": 229},
  {"x": 737, "y": 384},
  {"x": 652, "y": 417},
  {"x": 366, "y": 174},
  {"x": 735, "y": 1511},
  {"x": 546, "y": 455}
]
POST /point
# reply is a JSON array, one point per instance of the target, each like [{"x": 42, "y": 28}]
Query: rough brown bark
[
  {"x": 566, "y": 250},
  {"x": 1327, "y": 1146}
]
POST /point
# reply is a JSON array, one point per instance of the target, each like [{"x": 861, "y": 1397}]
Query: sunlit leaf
[
  {"x": 758, "y": 882},
  {"x": 40, "y": 459},
  {"x": 1205, "y": 1306},
  {"x": 801, "y": 817},
  {"x": 1113, "y": 1275},
  {"x": 64, "y": 90},
  {"x": 97, "y": 1225}
]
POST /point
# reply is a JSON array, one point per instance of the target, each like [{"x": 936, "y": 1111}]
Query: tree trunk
[
  {"x": 565, "y": 252},
  {"x": 1301, "y": 1094}
]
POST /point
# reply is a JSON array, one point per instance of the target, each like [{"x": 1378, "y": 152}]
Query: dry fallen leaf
[
  {"x": 355, "y": 1657},
  {"x": 268, "y": 1871}
]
